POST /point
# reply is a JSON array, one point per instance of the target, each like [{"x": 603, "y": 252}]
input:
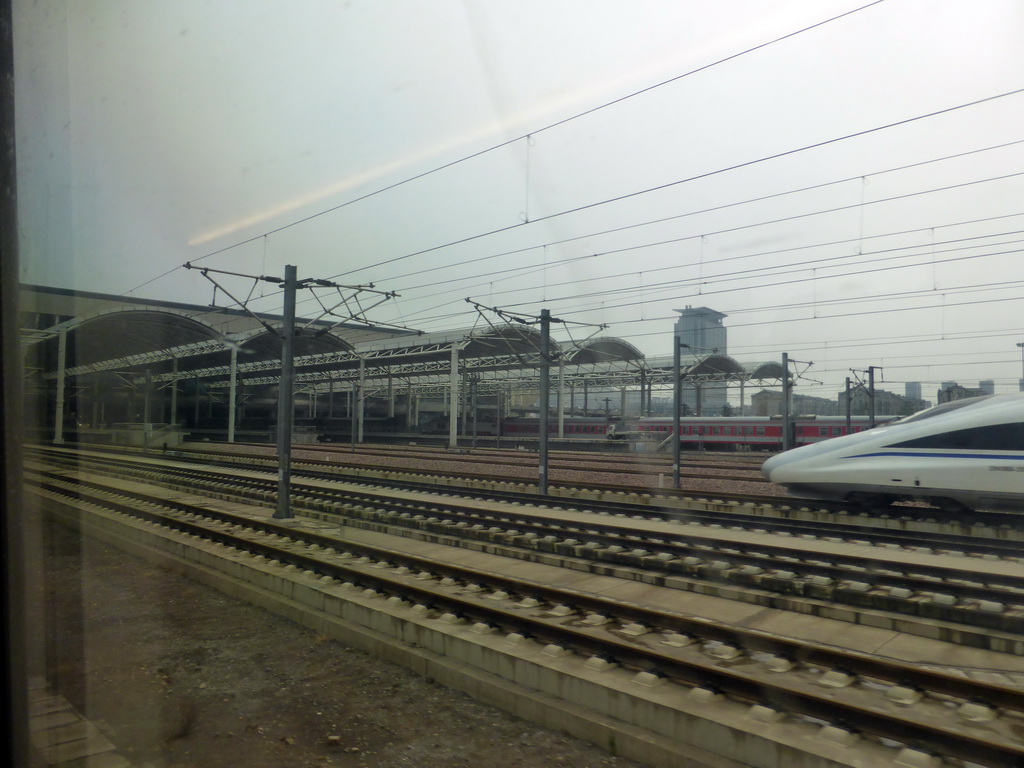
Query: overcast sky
[{"x": 842, "y": 179}]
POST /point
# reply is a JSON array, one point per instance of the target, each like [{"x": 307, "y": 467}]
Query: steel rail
[
  {"x": 902, "y": 728},
  {"x": 675, "y": 547},
  {"x": 856, "y": 663}
]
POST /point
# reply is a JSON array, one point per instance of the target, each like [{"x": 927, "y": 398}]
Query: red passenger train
[{"x": 710, "y": 432}]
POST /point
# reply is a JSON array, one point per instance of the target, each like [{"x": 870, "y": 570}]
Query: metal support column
[
  {"x": 561, "y": 398},
  {"x": 871, "y": 396},
  {"x": 464, "y": 410},
  {"x": 353, "y": 429},
  {"x": 849, "y": 408},
  {"x": 677, "y": 406},
  {"x": 286, "y": 397},
  {"x": 545, "y": 383},
  {"x": 233, "y": 395},
  {"x": 195, "y": 406},
  {"x": 147, "y": 416},
  {"x": 787, "y": 419},
  {"x": 360, "y": 397},
  {"x": 58, "y": 409},
  {"x": 473, "y": 404},
  {"x": 174, "y": 392},
  {"x": 453, "y": 410}
]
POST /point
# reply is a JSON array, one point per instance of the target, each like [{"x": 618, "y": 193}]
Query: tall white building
[{"x": 700, "y": 332}]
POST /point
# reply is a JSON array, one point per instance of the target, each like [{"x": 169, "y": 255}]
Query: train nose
[{"x": 772, "y": 465}]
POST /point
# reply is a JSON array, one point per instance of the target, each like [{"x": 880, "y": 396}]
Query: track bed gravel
[
  {"x": 711, "y": 482},
  {"x": 180, "y": 676}
]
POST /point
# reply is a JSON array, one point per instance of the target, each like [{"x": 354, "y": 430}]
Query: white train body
[{"x": 962, "y": 454}]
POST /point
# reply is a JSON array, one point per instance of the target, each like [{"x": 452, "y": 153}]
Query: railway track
[
  {"x": 977, "y": 584},
  {"x": 885, "y": 708},
  {"x": 990, "y": 523},
  {"x": 637, "y": 466}
]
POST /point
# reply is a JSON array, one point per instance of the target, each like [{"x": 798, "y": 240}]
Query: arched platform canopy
[
  {"x": 124, "y": 339},
  {"x": 497, "y": 357},
  {"x": 164, "y": 342},
  {"x": 168, "y": 342},
  {"x": 712, "y": 368},
  {"x": 602, "y": 350},
  {"x": 129, "y": 336},
  {"x": 770, "y": 369}
]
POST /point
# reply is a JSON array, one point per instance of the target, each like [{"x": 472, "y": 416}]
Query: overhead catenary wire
[
  {"x": 747, "y": 226},
  {"x": 533, "y": 132},
  {"x": 686, "y": 180},
  {"x": 775, "y": 270},
  {"x": 711, "y": 209},
  {"x": 831, "y": 262},
  {"x": 629, "y": 292}
]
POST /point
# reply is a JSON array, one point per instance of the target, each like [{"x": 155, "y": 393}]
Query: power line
[
  {"x": 752, "y": 225},
  {"x": 701, "y": 282},
  {"x": 780, "y": 270},
  {"x": 534, "y": 132},
  {"x": 762, "y": 198},
  {"x": 678, "y": 182}
]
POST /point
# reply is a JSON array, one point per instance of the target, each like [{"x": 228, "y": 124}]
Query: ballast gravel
[{"x": 178, "y": 675}]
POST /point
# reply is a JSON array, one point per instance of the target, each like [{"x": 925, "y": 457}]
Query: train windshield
[{"x": 939, "y": 410}]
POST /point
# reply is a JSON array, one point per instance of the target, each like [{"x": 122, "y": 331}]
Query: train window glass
[
  {"x": 760, "y": 430},
  {"x": 837, "y": 431},
  {"x": 996, "y": 437},
  {"x": 823, "y": 431},
  {"x": 943, "y": 408},
  {"x": 748, "y": 430}
]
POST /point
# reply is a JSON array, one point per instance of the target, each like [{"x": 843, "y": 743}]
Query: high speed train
[{"x": 960, "y": 455}]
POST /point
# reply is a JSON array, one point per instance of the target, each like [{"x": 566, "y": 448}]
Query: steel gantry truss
[{"x": 496, "y": 359}]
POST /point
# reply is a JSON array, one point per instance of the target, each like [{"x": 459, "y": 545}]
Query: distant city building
[
  {"x": 768, "y": 402},
  {"x": 913, "y": 390},
  {"x": 700, "y": 332},
  {"x": 952, "y": 391},
  {"x": 886, "y": 403},
  {"x": 988, "y": 386}
]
